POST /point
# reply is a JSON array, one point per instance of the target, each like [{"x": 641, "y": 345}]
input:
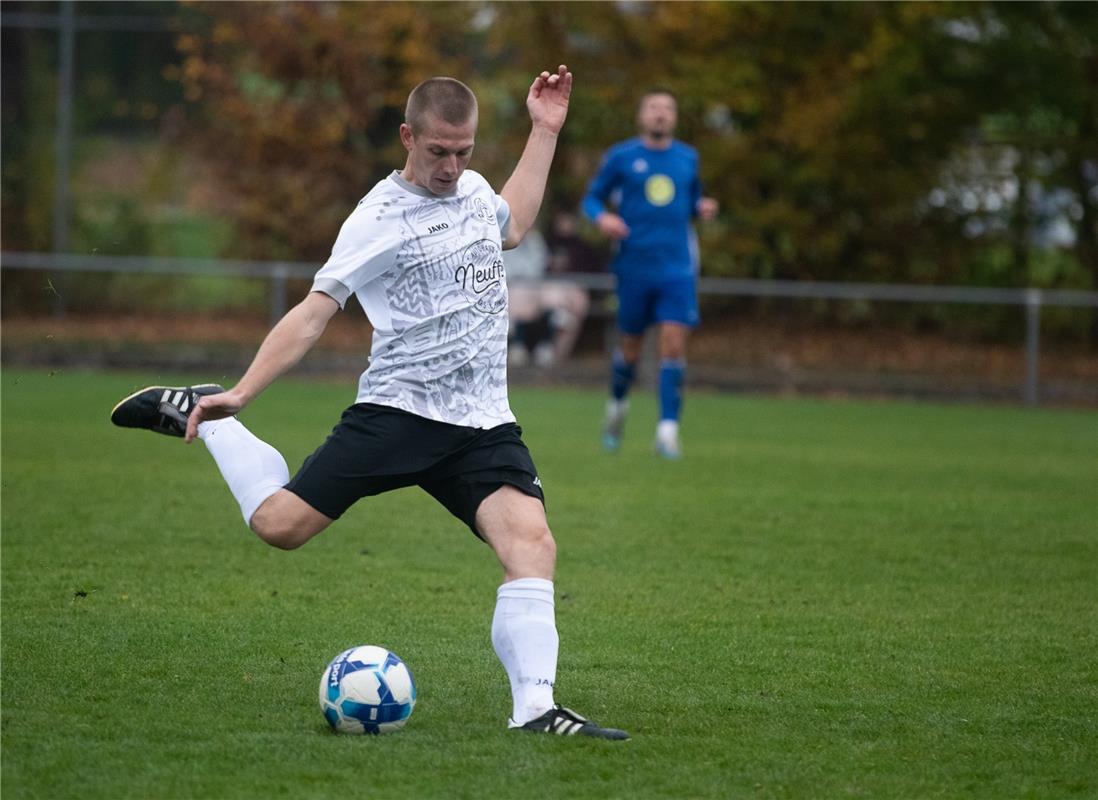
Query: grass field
[{"x": 823, "y": 599}]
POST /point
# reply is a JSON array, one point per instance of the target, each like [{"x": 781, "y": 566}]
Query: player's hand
[
  {"x": 612, "y": 225},
  {"x": 708, "y": 208},
  {"x": 547, "y": 100},
  {"x": 210, "y": 407}
]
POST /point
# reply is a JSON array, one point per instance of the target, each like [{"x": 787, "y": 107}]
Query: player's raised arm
[
  {"x": 284, "y": 346},
  {"x": 547, "y": 102}
]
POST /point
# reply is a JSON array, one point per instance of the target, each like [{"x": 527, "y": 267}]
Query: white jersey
[{"x": 428, "y": 271}]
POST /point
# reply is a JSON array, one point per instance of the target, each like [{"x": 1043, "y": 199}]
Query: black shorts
[{"x": 375, "y": 449}]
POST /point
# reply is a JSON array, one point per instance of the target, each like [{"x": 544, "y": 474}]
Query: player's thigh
[{"x": 514, "y": 525}]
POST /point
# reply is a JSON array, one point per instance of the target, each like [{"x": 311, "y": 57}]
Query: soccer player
[
  {"x": 422, "y": 253},
  {"x": 652, "y": 183}
]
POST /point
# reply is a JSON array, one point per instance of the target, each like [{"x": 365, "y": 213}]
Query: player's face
[
  {"x": 438, "y": 154},
  {"x": 658, "y": 115}
]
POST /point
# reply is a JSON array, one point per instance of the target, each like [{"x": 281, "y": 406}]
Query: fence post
[
  {"x": 66, "y": 47},
  {"x": 1033, "y": 345},
  {"x": 278, "y": 293}
]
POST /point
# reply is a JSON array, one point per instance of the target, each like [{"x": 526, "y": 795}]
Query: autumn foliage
[{"x": 827, "y": 131}]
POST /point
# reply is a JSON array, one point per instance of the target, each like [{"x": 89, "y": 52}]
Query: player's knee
[
  {"x": 547, "y": 544},
  {"x": 279, "y": 530},
  {"x": 285, "y": 521},
  {"x": 676, "y": 352},
  {"x": 277, "y": 533},
  {"x": 539, "y": 546},
  {"x": 631, "y": 349}
]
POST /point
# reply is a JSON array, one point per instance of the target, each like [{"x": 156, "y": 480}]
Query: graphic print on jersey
[
  {"x": 659, "y": 189},
  {"x": 481, "y": 272}
]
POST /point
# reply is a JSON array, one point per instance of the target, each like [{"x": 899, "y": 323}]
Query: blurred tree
[
  {"x": 827, "y": 130},
  {"x": 27, "y": 113},
  {"x": 301, "y": 103},
  {"x": 1038, "y": 75}
]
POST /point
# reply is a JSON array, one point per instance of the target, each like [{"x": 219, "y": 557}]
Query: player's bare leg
[
  {"x": 286, "y": 521},
  {"x": 514, "y": 525}
]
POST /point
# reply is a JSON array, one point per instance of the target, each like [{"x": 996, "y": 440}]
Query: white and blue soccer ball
[{"x": 367, "y": 690}]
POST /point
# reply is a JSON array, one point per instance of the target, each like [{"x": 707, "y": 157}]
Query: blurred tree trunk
[{"x": 1021, "y": 222}]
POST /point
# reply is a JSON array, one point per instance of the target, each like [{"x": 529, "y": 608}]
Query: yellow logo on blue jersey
[{"x": 659, "y": 190}]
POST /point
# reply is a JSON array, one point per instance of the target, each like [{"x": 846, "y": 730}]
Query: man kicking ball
[{"x": 422, "y": 253}]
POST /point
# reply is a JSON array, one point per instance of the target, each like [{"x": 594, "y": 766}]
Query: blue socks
[
  {"x": 672, "y": 372},
  {"x": 671, "y": 377},
  {"x": 622, "y": 374}
]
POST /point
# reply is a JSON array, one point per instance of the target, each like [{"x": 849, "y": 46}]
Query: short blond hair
[{"x": 447, "y": 98}]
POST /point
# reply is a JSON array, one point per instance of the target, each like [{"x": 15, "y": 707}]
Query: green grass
[{"x": 823, "y": 599}]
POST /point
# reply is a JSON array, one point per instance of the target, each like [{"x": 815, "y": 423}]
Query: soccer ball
[{"x": 367, "y": 690}]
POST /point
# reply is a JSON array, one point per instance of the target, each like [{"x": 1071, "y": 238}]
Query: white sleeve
[
  {"x": 362, "y": 251},
  {"x": 503, "y": 216}
]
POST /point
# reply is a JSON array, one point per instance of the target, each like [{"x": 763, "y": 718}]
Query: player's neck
[
  {"x": 409, "y": 175},
  {"x": 656, "y": 142}
]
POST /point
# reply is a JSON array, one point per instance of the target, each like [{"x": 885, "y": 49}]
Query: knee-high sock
[
  {"x": 524, "y": 634},
  {"x": 671, "y": 377},
  {"x": 253, "y": 469},
  {"x": 622, "y": 374}
]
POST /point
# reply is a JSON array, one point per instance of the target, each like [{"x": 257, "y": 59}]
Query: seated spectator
[
  {"x": 567, "y": 302},
  {"x": 526, "y": 265},
  {"x": 548, "y": 310}
]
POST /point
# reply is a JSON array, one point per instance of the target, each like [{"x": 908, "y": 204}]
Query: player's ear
[{"x": 407, "y": 138}]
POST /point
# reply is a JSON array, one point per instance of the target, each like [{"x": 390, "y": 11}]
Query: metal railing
[{"x": 279, "y": 272}]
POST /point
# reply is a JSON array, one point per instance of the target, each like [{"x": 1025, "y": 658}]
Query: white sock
[
  {"x": 253, "y": 469},
  {"x": 524, "y": 634},
  {"x": 667, "y": 430}
]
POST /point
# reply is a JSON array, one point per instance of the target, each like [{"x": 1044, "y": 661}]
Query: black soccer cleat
[
  {"x": 566, "y": 722},
  {"x": 163, "y": 409}
]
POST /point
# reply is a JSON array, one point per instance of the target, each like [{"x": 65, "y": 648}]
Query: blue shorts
[{"x": 644, "y": 301}]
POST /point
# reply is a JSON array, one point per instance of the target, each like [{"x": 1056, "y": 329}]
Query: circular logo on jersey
[
  {"x": 481, "y": 274},
  {"x": 659, "y": 190},
  {"x": 482, "y": 211}
]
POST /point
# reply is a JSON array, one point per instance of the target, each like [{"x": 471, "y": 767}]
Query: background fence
[{"x": 279, "y": 272}]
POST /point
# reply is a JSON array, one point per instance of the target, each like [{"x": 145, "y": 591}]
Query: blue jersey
[{"x": 656, "y": 192}]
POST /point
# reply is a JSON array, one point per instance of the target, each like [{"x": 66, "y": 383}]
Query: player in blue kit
[{"x": 646, "y": 196}]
